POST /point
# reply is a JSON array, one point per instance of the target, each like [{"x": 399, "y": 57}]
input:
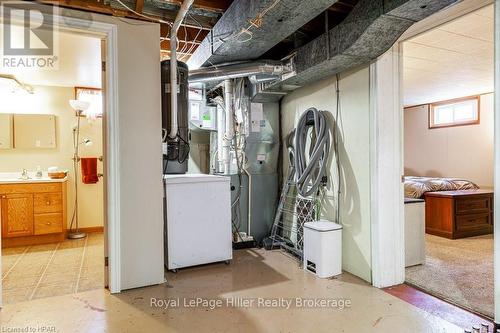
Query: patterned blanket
[{"x": 415, "y": 187}]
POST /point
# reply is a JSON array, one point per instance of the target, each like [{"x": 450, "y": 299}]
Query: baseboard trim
[
  {"x": 90, "y": 230},
  {"x": 33, "y": 240}
]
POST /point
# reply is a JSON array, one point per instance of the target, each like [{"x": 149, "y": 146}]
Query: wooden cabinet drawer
[
  {"x": 473, "y": 205},
  {"x": 472, "y": 222},
  {"x": 48, "y": 203},
  {"x": 48, "y": 223},
  {"x": 30, "y": 188}
]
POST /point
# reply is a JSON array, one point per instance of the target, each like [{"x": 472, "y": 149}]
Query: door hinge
[
  {"x": 103, "y": 64},
  {"x": 106, "y": 261}
]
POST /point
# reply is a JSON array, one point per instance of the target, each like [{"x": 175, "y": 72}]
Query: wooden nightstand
[{"x": 459, "y": 214}]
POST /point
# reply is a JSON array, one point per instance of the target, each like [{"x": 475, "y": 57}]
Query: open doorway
[
  {"x": 448, "y": 159},
  {"x": 51, "y": 175}
]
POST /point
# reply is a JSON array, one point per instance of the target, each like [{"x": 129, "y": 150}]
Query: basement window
[{"x": 457, "y": 112}]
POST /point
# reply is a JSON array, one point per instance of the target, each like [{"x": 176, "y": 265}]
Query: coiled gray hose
[{"x": 309, "y": 172}]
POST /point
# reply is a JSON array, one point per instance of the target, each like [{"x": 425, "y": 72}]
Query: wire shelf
[{"x": 293, "y": 211}]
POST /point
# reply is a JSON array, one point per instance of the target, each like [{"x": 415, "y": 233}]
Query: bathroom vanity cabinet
[{"x": 33, "y": 212}]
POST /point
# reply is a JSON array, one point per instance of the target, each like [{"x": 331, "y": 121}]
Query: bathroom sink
[{"x": 15, "y": 177}]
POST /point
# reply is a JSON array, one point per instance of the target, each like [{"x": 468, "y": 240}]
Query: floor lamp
[{"x": 79, "y": 107}]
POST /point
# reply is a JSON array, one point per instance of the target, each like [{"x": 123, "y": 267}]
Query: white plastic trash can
[{"x": 323, "y": 248}]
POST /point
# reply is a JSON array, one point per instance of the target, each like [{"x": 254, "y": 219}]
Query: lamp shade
[{"x": 79, "y": 105}]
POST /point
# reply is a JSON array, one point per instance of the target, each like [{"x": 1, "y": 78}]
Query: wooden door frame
[
  {"x": 386, "y": 168},
  {"x": 109, "y": 32},
  {"x": 386, "y": 160}
]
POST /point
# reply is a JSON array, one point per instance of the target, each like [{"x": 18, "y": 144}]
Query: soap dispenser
[{"x": 38, "y": 172}]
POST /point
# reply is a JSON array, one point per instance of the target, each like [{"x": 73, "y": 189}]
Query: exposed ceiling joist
[
  {"x": 167, "y": 12},
  {"x": 218, "y": 6},
  {"x": 185, "y": 33},
  {"x": 90, "y": 6},
  {"x": 192, "y": 31},
  {"x": 165, "y": 6},
  {"x": 97, "y": 6},
  {"x": 181, "y": 45},
  {"x": 139, "y": 6},
  {"x": 189, "y": 38}
]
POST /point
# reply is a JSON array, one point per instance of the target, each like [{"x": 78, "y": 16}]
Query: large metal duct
[{"x": 261, "y": 70}]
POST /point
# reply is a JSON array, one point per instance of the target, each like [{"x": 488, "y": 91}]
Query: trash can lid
[{"x": 322, "y": 225}]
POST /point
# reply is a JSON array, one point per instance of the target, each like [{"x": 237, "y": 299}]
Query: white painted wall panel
[
  {"x": 141, "y": 192},
  {"x": 354, "y": 149}
]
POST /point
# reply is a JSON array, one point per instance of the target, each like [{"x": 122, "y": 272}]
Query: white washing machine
[{"x": 197, "y": 220}]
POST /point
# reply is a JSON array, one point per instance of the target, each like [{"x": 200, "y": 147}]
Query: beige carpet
[
  {"x": 38, "y": 271},
  {"x": 459, "y": 271}
]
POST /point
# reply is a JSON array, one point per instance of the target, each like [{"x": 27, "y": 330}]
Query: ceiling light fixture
[{"x": 24, "y": 86}]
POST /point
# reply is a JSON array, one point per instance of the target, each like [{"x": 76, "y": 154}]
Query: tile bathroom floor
[{"x": 38, "y": 271}]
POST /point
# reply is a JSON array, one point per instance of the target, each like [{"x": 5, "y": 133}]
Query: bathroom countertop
[{"x": 14, "y": 178}]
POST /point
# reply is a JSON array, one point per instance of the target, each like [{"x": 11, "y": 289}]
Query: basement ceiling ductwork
[
  {"x": 260, "y": 71},
  {"x": 370, "y": 30},
  {"x": 250, "y": 28}
]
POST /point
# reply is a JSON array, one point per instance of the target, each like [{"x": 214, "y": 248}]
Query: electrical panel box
[
  {"x": 202, "y": 116},
  {"x": 6, "y": 131},
  {"x": 34, "y": 131}
]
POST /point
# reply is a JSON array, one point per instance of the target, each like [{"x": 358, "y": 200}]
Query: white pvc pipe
[
  {"x": 228, "y": 101},
  {"x": 226, "y": 160},
  {"x": 174, "y": 125},
  {"x": 229, "y": 128},
  {"x": 220, "y": 137}
]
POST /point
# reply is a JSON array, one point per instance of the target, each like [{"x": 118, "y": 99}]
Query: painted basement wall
[
  {"x": 140, "y": 165},
  {"x": 54, "y": 101},
  {"x": 463, "y": 152},
  {"x": 354, "y": 148}
]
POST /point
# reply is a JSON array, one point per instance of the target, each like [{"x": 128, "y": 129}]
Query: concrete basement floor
[{"x": 252, "y": 274}]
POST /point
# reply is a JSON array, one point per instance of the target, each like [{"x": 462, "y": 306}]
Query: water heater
[{"x": 175, "y": 157}]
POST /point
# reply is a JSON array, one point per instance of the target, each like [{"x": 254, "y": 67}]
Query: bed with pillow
[
  {"x": 416, "y": 187},
  {"x": 454, "y": 207}
]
